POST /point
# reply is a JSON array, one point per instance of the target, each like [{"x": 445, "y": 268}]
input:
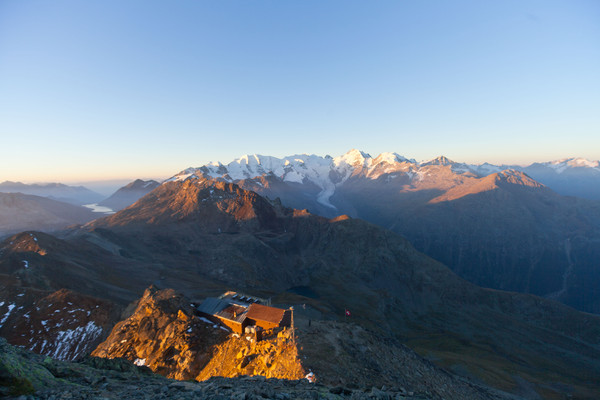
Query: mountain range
[
  {"x": 496, "y": 227},
  {"x": 77, "y": 195},
  {"x": 246, "y": 227},
  {"x": 202, "y": 236},
  {"x": 21, "y": 212}
]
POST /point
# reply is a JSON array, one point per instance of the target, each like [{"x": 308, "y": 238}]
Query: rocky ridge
[{"x": 25, "y": 375}]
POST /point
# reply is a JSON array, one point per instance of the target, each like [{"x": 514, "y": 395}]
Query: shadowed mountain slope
[
  {"x": 497, "y": 228},
  {"x": 129, "y": 194},
  {"x": 20, "y": 212},
  {"x": 503, "y": 231}
]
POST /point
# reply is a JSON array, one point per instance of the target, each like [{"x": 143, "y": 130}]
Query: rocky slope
[
  {"x": 41, "y": 261},
  {"x": 494, "y": 226},
  {"x": 20, "y": 212},
  {"x": 27, "y": 375},
  {"x": 64, "y": 324},
  {"x": 129, "y": 194},
  {"x": 164, "y": 334},
  {"x": 203, "y": 237}
]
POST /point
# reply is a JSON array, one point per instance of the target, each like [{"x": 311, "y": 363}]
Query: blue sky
[{"x": 126, "y": 89}]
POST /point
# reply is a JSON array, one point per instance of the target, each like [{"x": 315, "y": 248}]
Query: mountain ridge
[
  {"x": 21, "y": 212},
  {"x": 521, "y": 213},
  {"x": 77, "y": 195},
  {"x": 236, "y": 239},
  {"x": 129, "y": 194}
]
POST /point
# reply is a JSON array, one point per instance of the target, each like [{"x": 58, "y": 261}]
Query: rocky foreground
[{"x": 25, "y": 375}]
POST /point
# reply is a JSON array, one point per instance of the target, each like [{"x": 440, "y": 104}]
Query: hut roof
[
  {"x": 223, "y": 309},
  {"x": 259, "y": 312},
  {"x": 212, "y": 305},
  {"x": 233, "y": 313}
]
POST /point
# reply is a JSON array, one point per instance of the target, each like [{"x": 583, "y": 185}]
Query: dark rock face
[{"x": 40, "y": 261}]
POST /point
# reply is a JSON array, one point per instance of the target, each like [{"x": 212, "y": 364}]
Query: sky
[{"x": 114, "y": 89}]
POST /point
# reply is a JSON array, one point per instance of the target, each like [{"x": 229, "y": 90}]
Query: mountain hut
[{"x": 268, "y": 317}]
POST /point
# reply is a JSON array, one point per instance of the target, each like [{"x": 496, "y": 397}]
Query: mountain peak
[
  {"x": 389, "y": 158},
  {"x": 220, "y": 205},
  {"x": 353, "y": 157},
  {"x": 441, "y": 160},
  {"x": 515, "y": 177},
  {"x": 573, "y": 162}
]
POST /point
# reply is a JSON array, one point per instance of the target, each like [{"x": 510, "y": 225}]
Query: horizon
[
  {"x": 118, "y": 182},
  {"x": 172, "y": 86}
]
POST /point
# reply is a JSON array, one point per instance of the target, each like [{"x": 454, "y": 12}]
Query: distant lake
[{"x": 99, "y": 209}]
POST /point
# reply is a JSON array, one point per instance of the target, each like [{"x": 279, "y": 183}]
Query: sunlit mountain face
[{"x": 496, "y": 226}]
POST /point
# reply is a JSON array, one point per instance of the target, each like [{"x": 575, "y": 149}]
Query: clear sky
[{"x": 103, "y": 89}]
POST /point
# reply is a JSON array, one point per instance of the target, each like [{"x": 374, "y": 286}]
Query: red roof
[{"x": 259, "y": 312}]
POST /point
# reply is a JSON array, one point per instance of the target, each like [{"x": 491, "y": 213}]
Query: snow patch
[
  {"x": 140, "y": 362},
  {"x": 10, "y": 308},
  {"x": 71, "y": 343}
]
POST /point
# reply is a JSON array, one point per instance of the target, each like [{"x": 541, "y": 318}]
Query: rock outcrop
[
  {"x": 165, "y": 334},
  {"x": 25, "y": 375}
]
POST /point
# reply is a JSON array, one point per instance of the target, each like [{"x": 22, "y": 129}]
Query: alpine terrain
[
  {"x": 496, "y": 227},
  {"x": 202, "y": 236}
]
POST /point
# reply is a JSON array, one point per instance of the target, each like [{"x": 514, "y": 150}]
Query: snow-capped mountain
[
  {"x": 566, "y": 163},
  {"x": 570, "y": 176},
  {"x": 464, "y": 215},
  {"x": 328, "y": 173}
]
